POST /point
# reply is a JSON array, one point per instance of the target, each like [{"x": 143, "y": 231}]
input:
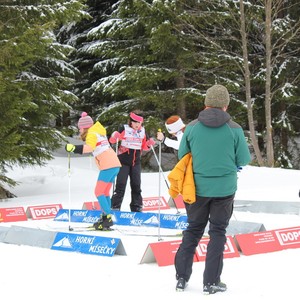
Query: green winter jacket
[{"x": 218, "y": 147}]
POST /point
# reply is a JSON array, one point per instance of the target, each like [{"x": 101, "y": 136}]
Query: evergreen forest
[{"x": 108, "y": 57}]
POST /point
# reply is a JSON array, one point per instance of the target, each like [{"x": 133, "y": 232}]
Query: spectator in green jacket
[{"x": 219, "y": 148}]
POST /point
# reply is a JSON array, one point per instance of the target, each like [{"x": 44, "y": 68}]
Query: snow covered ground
[{"x": 39, "y": 273}]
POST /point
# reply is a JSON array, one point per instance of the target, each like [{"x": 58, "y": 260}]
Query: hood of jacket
[{"x": 213, "y": 117}]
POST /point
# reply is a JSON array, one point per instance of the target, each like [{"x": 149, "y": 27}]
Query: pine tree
[
  {"x": 34, "y": 79},
  {"x": 274, "y": 67},
  {"x": 75, "y": 35},
  {"x": 161, "y": 56},
  {"x": 220, "y": 27},
  {"x": 150, "y": 59}
]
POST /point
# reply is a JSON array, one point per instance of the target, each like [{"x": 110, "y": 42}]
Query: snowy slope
[{"x": 39, "y": 273}]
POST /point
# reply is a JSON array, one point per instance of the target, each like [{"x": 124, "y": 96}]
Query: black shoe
[
  {"x": 107, "y": 221},
  {"x": 116, "y": 208},
  {"x": 214, "y": 288},
  {"x": 181, "y": 285}
]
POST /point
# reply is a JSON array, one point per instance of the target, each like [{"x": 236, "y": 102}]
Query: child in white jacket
[{"x": 175, "y": 127}]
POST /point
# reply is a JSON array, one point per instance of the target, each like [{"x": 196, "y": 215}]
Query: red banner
[
  {"x": 12, "y": 214},
  {"x": 269, "y": 241},
  {"x": 164, "y": 252},
  {"x": 178, "y": 201},
  {"x": 154, "y": 203},
  {"x": 91, "y": 205},
  {"x": 230, "y": 249},
  {"x": 43, "y": 211}
]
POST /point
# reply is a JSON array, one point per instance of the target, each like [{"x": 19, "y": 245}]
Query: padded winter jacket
[
  {"x": 218, "y": 146},
  {"x": 128, "y": 152},
  {"x": 182, "y": 180},
  {"x": 105, "y": 156}
]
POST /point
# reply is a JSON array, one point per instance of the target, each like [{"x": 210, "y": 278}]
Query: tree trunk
[
  {"x": 248, "y": 87},
  {"x": 268, "y": 97}
]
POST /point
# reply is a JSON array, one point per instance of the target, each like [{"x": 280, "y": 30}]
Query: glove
[
  {"x": 114, "y": 137},
  {"x": 78, "y": 149},
  {"x": 160, "y": 136},
  {"x": 239, "y": 169},
  {"x": 70, "y": 147},
  {"x": 150, "y": 142}
]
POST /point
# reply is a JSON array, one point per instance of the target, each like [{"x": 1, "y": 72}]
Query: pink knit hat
[{"x": 85, "y": 121}]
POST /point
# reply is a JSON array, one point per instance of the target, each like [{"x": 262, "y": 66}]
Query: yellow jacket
[
  {"x": 104, "y": 159},
  {"x": 182, "y": 180}
]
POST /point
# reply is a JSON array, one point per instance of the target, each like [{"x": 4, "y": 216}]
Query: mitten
[
  {"x": 78, "y": 149},
  {"x": 70, "y": 147},
  {"x": 150, "y": 142},
  {"x": 114, "y": 137},
  {"x": 160, "y": 136}
]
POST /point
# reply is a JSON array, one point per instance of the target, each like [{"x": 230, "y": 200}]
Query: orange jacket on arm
[{"x": 182, "y": 180}]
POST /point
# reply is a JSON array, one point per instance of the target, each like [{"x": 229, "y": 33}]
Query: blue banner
[
  {"x": 88, "y": 244},
  {"x": 125, "y": 218}
]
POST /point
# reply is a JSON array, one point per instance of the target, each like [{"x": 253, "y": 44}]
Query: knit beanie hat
[
  {"x": 85, "y": 121},
  {"x": 217, "y": 96},
  {"x": 174, "y": 124}
]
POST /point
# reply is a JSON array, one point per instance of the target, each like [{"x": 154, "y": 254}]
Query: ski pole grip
[{"x": 161, "y": 141}]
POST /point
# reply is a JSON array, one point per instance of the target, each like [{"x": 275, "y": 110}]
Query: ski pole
[
  {"x": 159, "y": 165},
  {"x": 69, "y": 192},
  {"x": 117, "y": 144},
  {"x": 159, "y": 238},
  {"x": 114, "y": 183},
  {"x": 159, "y": 193}
]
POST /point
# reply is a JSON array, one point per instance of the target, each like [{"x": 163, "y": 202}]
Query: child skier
[
  {"x": 133, "y": 140},
  {"x": 175, "y": 127},
  {"x": 106, "y": 160}
]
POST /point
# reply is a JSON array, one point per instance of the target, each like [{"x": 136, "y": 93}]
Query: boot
[
  {"x": 99, "y": 224},
  {"x": 107, "y": 221}
]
